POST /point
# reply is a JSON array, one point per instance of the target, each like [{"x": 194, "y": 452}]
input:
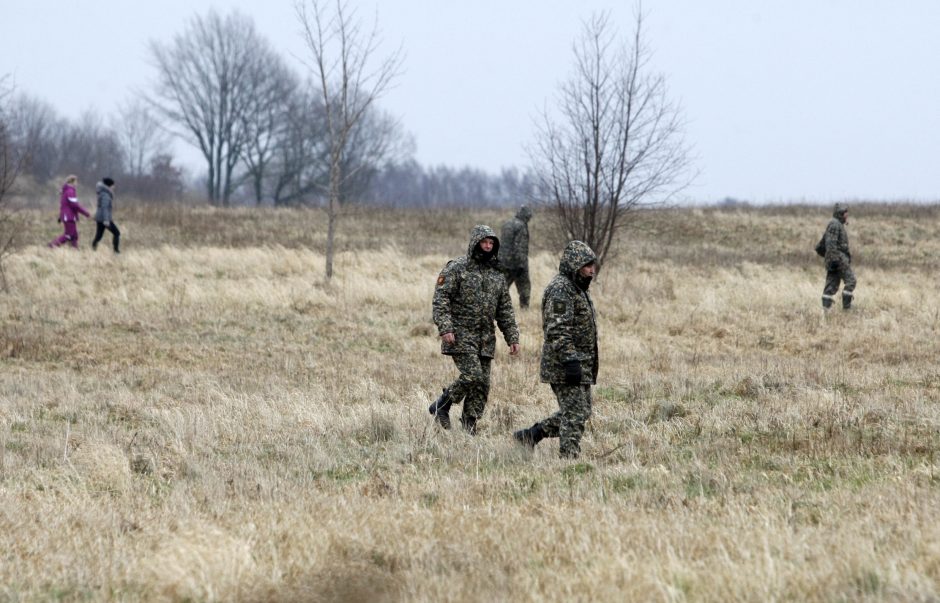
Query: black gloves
[{"x": 572, "y": 372}]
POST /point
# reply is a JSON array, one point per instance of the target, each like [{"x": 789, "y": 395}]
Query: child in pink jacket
[{"x": 69, "y": 208}]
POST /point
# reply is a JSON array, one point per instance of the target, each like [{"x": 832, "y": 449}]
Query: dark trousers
[
  {"x": 837, "y": 272},
  {"x": 115, "y": 235}
]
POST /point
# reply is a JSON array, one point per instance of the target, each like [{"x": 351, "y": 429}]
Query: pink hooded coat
[{"x": 69, "y": 207}]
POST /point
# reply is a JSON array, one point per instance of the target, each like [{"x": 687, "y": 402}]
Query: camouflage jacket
[
  {"x": 837, "y": 243},
  {"x": 568, "y": 321},
  {"x": 515, "y": 241},
  {"x": 469, "y": 297}
]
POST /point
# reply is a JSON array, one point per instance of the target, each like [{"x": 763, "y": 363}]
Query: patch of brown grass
[{"x": 207, "y": 419}]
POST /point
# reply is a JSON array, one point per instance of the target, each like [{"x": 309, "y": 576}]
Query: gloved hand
[{"x": 572, "y": 372}]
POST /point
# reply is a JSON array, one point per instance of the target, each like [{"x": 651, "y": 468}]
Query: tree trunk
[
  {"x": 259, "y": 184},
  {"x": 330, "y": 234},
  {"x": 332, "y": 212},
  {"x": 210, "y": 184}
]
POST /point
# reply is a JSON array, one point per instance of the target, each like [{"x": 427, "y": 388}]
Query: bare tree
[
  {"x": 266, "y": 123},
  {"x": 300, "y": 152},
  {"x": 341, "y": 53},
  {"x": 207, "y": 81},
  {"x": 142, "y": 138},
  {"x": 376, "y": 141},
  {"x": 616, "y": 145},
  {"x": 35, "y": 131},
  {"x": 90, "y": 148},
  {"x": 10, "y": 165}
]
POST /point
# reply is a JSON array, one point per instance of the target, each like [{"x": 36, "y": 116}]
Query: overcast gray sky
[{"x": 785, "y": 101}]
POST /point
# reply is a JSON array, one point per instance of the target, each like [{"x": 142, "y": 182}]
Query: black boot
[
  {"x": 847, "y": 301},
  {"x": 441, "y": 409},
  {"x": 827, "y": 302},
  {"x": 469, "y": 424},
  {"x": 529, "y": 437}
]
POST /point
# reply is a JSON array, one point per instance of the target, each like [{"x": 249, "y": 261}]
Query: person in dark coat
[
  {"x": 838, "y": 260},
  {"x": 569, "y": 353},
  {"x": 470, "y": 296},
  {"x": 514, "y": 255},
  {"x": 103, "y": 216}
]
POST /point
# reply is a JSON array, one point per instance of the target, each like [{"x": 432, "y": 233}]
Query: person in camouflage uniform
[
  {"x": 569, "y": 353},
  {"x": 515, "y": 258},
  {"x": 471, "y": 294},
  {"x": 838, "y": 259}
]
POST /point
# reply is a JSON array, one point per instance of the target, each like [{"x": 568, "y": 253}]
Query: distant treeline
[
  {"x": 136, "y": 152},
  {"x": 262, "y": 126},
  {"x": 410, "y": 184}
]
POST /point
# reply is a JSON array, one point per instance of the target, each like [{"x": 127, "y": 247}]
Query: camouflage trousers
[
  {"x": 472, "y": 385},
  {"x": 574, "y": 403},
  {"x": 837, "y": 272},
  {"x": 520, "y": 276}
]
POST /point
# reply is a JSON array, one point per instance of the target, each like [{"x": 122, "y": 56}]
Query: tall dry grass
[{"x": 208, "y": 420}]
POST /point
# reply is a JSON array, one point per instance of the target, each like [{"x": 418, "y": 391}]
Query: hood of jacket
[
  {"x": 480, "y": 232},
  {"x": 524, "y": 213},
  {"x": 575, "y": 255},
  {"x": 838, "y": 211}
]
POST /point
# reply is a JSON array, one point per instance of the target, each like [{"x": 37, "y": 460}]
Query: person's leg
[
  {"x": 549, "y": 427},
  {"x": 848, "y": 290},
  {"x": 71, "y": 229},
  {"x": 477, "y": 394},
  {"x": 575, "y": 403},
  {"x": 99, "y": 232},
  {"x": 574, "y": 409},
  {"x": 833, "y": 275},
  {"x": 115, "y": 237},
  {"x": 456, "y": 391},
  {"x": 64, "y": 237},
  {"x": 524, "y": 287}
]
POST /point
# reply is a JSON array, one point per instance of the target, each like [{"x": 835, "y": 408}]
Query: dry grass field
[{"x": 202, "y": 418}]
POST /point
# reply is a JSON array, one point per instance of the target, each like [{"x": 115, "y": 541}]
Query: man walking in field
[
  {"x": 569, "y": 352},
  {"x": 515, "y": 257},
  {"x": 471, "y": 294},
  {"x": 838, "y": 259}
]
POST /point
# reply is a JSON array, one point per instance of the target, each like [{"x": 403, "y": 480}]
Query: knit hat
[{"x": 107, "y": 181}]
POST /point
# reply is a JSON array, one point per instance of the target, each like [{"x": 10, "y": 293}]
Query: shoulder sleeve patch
[
  {"x": 440, "y": 280},
  {"x": 559, "y": 307}
]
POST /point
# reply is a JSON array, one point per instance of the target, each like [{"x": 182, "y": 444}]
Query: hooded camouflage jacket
[
  {"x": 568, "y": 321},
  {"x": 515, "y": 240},
  {"x": 837, "y": 241},
  {"x": 470, "y": 295}
]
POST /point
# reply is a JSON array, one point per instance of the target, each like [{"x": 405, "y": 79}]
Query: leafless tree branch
[
  {"x": 613, "y": 144},
  {"x": 11, "y": 163},
  {"x": 349, "y": 82},
  {"x": 210, "y": 80}
]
